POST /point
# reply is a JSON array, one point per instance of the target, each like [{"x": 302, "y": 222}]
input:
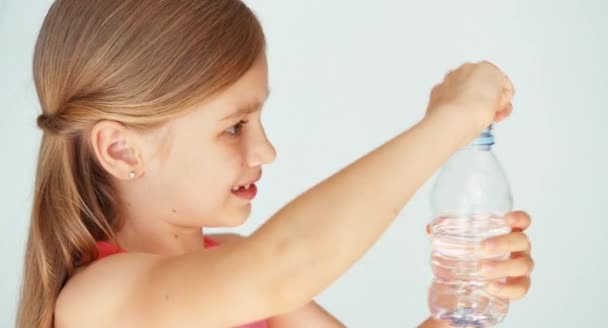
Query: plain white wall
[{"x": 348, "y": 75}]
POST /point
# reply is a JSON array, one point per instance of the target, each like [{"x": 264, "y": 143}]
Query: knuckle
[
  {"x": 525, "y": 265},
  {"x": 452, "y": 74}
]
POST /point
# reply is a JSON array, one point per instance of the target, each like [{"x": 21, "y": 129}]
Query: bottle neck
[{"x": 484, "y": 141}]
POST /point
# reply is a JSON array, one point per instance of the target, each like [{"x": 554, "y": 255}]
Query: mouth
[
  {"x": 243, "y": 187},
  {"x": 247, "y": 190}
]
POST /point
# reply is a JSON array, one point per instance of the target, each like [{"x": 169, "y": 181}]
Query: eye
[{"x": 235, "y": 130}]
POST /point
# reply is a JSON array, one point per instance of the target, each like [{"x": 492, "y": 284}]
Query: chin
[
  {"x": 231, "y": 220},
  {"x": 239, "y": 218}
]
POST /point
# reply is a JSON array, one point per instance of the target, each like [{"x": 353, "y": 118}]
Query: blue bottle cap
[{"x": 486, "y": 138}]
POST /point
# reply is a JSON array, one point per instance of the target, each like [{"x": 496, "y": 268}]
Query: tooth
[
  {"x": 247, "y": 187},
  {"x": 235, "y": 188}
]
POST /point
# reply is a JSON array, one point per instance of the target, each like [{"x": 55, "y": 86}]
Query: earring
[{"x": 131, "y": 175}]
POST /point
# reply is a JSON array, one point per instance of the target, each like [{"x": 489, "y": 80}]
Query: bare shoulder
[
  {"x": 146, "y": 290},
  {"x": 95, "y": 295}
]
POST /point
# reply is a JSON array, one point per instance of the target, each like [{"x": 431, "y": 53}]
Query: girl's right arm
[{"x": 310, "y": 242}]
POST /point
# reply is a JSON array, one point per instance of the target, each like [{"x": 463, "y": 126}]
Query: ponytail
[{"x": 68, "y": 216}]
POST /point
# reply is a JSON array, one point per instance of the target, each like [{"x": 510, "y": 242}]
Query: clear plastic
[{"x": 468, "y": 200}]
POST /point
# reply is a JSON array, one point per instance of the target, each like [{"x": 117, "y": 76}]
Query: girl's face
[{"x": 201, "y": 157}]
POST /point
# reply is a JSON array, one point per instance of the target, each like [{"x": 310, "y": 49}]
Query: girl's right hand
[{"x": 474, "y": 96}]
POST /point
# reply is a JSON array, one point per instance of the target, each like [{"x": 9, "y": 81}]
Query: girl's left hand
[{"x": 517, "y": 268}]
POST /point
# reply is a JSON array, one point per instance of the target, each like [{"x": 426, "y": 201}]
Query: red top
[{"x": 107, "y": 249}]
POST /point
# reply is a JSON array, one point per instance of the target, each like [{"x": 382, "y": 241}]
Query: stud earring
[{"x": 131, "y": 175}]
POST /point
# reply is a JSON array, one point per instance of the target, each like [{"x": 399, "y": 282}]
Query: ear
[{"x": 115, "y": 148}]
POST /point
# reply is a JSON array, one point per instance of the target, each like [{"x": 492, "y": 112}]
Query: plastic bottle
[{"x": 469, "y": 198}]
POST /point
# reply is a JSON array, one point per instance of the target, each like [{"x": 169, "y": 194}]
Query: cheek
[
  {"x": 193, "y": 179},
  {"x": 209, "y": 175}
]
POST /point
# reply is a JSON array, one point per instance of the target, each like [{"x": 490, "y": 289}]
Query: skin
[{"x": 183, "y": 175}]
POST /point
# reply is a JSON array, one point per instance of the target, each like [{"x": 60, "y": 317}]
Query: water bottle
[{"x": 469, "y": 199}]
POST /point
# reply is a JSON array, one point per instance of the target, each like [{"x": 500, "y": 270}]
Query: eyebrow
[{"x": 247, "y": 109}]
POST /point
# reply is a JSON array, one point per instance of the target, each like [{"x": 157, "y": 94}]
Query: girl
[{"x": 151, "y": 121}]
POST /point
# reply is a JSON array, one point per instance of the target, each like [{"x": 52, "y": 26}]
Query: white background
[{"x": 348, "y": 75}]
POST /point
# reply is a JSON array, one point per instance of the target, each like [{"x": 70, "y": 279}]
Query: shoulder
[
  {"x": 96, "y": 293},
  {"x": 117, "y": 287}
]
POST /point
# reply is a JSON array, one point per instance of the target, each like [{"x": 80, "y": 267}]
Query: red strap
[
  {"x": 210, "y": 243},
  {"x": 107, "y": 249}
]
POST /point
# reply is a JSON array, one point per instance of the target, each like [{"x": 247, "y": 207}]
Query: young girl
[{"x": 151, "y": 120}]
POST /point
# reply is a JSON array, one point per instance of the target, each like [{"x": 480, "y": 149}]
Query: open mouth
[
  {"x": 244, "y": 187},
  {"x": 247, "y": 191}
]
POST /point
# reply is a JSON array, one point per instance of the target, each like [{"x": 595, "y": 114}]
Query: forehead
[
  {"x": 250, "y": 89},
  {"x": 253, "y": 83}
]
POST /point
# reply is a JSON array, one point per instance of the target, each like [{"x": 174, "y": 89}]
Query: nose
[{"x": 261, "y": 151}]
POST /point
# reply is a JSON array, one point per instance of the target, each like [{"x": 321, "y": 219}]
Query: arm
[
  {"x": 309, "y": 233},
  {"x": 303, "y": 248},
  {"x": 309, "y": 315}
]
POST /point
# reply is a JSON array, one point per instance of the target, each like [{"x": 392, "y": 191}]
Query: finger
[
  {"x": 449, "y": 73},
  {"x": 520, "y": 265},
  {"x": 509, "y": 87},
  {"x": 512, "y": 289},
  {"x": 506, "y": 112},
  {"x": 506, "y": 97},
  {"x": 512, "y": 242},
  {"x": 435, "y": 90},
  {"x": 518, "y": 220},
  {"x": 489, "y": 64}
]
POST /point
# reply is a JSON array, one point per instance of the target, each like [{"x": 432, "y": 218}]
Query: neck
[{"x": 159, "y": 237}]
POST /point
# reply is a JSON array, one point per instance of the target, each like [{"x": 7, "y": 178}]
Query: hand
[
  {"x": 516, "y": 268},
  {"x": 474, "y": 95}
]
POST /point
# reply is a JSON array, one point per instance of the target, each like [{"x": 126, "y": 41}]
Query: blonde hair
[{"x": 139, "y": 62}]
